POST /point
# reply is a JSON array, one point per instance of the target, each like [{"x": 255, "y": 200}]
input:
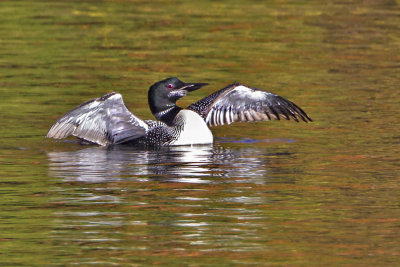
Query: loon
[{"x": 106, "y": 120}]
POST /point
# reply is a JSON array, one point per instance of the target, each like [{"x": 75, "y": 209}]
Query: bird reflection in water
[
  {"x": 176, "y": 197},
  {"x": 193, "y": 164}
]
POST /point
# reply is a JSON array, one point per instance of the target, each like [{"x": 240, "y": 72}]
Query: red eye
[{"x": 170, "y": 86}]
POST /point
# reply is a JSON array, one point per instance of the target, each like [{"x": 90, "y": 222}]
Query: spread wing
[
  {"x": 104, "y": 121},
  {"x": 237, "y": 102}
]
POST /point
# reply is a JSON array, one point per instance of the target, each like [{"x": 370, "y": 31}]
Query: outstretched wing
[
  {"x": 237, "y": 102},
  {"x": 104, "y": 121}
]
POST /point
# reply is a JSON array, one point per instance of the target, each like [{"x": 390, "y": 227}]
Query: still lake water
[{"x": 265, "y": 194}]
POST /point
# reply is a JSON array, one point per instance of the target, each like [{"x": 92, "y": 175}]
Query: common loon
[{"x": 106, "y": 120}]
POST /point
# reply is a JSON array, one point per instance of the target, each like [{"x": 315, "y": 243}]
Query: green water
[{"x": 265, "y": 194}]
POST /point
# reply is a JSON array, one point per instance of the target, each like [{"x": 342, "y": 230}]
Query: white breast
[{"x": 195, "y": 131}]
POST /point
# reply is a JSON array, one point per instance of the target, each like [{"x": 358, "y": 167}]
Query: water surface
[{"x": 265, "y": 194}]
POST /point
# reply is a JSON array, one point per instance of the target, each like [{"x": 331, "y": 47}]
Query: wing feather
[
  {"x": 104, "y": 121},
  {"x": 239, "y": 103}
]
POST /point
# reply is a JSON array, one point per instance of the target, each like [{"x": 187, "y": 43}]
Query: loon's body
[
  {"x": 106, "y": 120},
  {"x": 188, "y": 128}
]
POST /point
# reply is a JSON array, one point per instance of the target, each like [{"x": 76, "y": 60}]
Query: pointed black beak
[
  {"x": 192, "y": 86},
  {"x": 184, "y": 89}
]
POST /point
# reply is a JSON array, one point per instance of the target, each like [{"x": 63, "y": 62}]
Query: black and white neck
[{"x": 163, "y": 95}]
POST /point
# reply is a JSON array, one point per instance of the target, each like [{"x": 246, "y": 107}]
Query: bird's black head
[{"x": 164, "y": 94}]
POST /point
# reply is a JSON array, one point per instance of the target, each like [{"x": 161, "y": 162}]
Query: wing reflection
[
  {"x": 197, "y": 164},
  {"x": 208, "y": 197}
]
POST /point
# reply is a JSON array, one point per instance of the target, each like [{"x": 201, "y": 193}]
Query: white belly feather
[{"x": 195, "y": 131}]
